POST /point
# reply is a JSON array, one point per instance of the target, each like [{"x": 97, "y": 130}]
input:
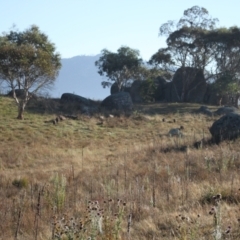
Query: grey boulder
[
  {"x": 118, "y": 101},
  {"x": 226, "y": 128}
]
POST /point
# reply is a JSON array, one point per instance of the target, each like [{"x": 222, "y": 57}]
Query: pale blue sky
[{"x": 85, "y": 27}]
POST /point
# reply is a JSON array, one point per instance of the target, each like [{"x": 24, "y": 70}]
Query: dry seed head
[
  {"x": 228, "y": 230},
  {"x": 219, "y": 196},
  {"x": 212, "y": 211}
]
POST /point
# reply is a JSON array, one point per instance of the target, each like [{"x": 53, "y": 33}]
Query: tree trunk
[
  {"x": 220, "y": 102},
  {"x": 236, "y": 100},
  {"x": 20, "y": 111}
]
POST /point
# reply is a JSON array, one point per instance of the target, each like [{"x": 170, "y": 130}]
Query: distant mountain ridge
[{"x": 79, "y": 75}]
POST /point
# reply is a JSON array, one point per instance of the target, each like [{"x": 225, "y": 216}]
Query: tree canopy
[
  {"x": 28, "y": 61},
  {"x": 118, "y": 67}
]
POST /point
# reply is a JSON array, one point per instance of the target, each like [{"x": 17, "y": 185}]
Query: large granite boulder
[
  {"x": 114, "y": 88},
  {"x": 226, "y": 128},
  {"x": 160, "y": 93},
  {"x": 225, "y": 110},
  {"x": 135, "y": 91},
  {"x": 118, "y": 101},
  {"x": 192, "y": 81},
  {"x": 69, "y": 97},
  {"x": 20, "y": 93},
  {"x": 72, "y": 101},
  {"x": 170, "y": 93}
]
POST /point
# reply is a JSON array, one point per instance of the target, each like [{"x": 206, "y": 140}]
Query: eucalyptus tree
[
  {"x": 225, "y": 45},
  {"x": 184, "y": 50},
  {"x": 28, "y": 61},
  {"x": 119, "y": 67}
]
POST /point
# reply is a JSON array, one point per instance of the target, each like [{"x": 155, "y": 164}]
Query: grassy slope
[{"x": 121, "y": 157}]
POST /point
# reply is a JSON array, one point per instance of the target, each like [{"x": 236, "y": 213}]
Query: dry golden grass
[{"x": 49, "y": 171}]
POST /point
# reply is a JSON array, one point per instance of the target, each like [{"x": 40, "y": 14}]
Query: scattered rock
[
  {"x": 205, "y": 110},
  {"x": 61, "y": 117},
  {"x": 74, "y": 117},
  {"x": 176, "y": 132}
]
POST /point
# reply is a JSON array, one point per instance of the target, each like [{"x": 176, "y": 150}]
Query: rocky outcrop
[
  {"x": 118, "y": 101},
  {"x": 226, "y": 128},
  {"x": 188, "y": 85}
]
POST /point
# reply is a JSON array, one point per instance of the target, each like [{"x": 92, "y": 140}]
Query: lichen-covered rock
[
  {"x": 226, "y": 128},
  {"x": 118, "y": 101}
]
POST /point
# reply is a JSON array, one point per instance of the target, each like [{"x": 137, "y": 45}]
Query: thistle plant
[
  {"x": 216, "y": 213},
  {"x": 188, "y": 228},
  {"x": 95, "y": 223}
]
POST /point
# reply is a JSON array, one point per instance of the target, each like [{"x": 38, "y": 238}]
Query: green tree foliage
[
  {"x": 225, "y": 65},
  {"x": 148, "y": 86},
  {"x": 118, "y": 67},
  {"x": 148, "y": 90},
  {"x": 28, "y": 61}
]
